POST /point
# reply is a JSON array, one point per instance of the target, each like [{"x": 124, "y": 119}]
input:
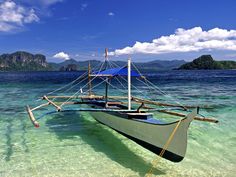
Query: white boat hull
[{"x": 151, "y": 136}]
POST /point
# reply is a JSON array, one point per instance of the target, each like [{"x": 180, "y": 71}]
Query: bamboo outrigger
[{"x": 131, "y": 116}]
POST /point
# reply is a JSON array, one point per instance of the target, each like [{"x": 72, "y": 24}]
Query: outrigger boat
[{"x": 131, "y": 116}]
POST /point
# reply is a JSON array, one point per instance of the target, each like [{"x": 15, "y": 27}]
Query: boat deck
[
  {"x": 150, "y": 120},
  {"x": 137, "y": 116}
]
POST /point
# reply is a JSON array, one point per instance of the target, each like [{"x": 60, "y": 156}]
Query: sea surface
[{"x": 74, "y": 144}]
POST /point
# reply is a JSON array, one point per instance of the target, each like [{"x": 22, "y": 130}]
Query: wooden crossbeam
[
  {"x": 31, "y": 116},
  {"x": 114, "y": 103},
  {"x": 52, "y": 103},
  {"x": 86, "y": 97},
  {"x": 213, "y": 120},
  {"x": 140, "y": 100},
  {"x": 37, "y": 107},
  {"x": 84, "y": 102},
  {"x": 63, "y": 96},
  {"x": 134, "y": 100}
]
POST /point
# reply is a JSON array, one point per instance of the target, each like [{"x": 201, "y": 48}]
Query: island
[
  {"x": 206, "y": 62},
  {"x": 23, "y": 61}
]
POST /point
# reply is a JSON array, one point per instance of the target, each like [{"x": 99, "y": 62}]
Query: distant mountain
[
  {"x": 158, "y": 65},
  {"x": 207, "y": 62},
  {"x": 144, "y": 66},
  {"x": 23, "y": 61},
  {"x": 79, "y": 65},
  {"x": 63, "y": 65}
]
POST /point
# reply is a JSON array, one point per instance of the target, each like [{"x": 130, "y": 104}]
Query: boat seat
[
  {"x": 112, "y": 107},
  {"x": 114, "y": 103}
]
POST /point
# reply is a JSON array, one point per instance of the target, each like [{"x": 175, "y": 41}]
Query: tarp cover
[{"x": 116, "y": 72}]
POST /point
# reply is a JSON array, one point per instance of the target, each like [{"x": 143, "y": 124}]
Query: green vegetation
[
  {"x": 207, "y": 62},
  {"x": 23, "y": 61},
  {"x": 227, "y": 64}
]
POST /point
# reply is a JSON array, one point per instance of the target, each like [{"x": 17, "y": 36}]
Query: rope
[
  {"x": 117, "y": 78},
  {"x": 82, "y": 80},
  {"x": 104, "y": 80},
  {"x": 153, "y": 86},
  {"x": 75, "y": 84},
  {"x": 155, "y": 161},
  {"x": 111, "y": 65},
  {"x": 127, "y": 82},
  {"x": 83, "y": 86},
  {"x": 143, "y": 93},
  {"x": 70, "y": 83},
  {"x": 133, "y": 86},
  {"x": 78, "y": 92},
  {"x": 60, "y": 88}
]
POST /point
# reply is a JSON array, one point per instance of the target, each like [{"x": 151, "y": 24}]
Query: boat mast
[
  {"x": 129, "y": 83},
  {"x": 89, "y": 79},
  {"x": 107, "y": 79}
]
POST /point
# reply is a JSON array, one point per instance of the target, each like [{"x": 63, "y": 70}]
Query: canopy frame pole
[
  {"x": 129, "y": 84},
  {"x": 107, "y": 79},
  {"x": 106, "y": 91}
]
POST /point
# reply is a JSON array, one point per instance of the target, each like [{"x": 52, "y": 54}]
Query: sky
[{"x": 141, "y": 29}]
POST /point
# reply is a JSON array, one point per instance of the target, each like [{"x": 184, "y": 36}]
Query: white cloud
[
  {"x": 62, "y": 55},
  {"x": 13, "y": 16},
  {"x": 182, "y": 40},
  {"x": 111, "y": 14},
  {"x": 4, "y": 27}
]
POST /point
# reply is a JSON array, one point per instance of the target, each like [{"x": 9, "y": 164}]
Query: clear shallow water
[{"x": 73, "y": 144}]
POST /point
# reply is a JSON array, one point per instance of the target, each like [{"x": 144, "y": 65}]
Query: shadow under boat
[{"x": 68, "y": 125}]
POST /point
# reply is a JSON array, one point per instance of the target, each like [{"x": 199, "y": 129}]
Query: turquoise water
[{"x": 74, "y": 144}]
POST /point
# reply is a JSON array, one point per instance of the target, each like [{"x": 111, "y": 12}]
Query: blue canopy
[{"x": 116, "y": 72}]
